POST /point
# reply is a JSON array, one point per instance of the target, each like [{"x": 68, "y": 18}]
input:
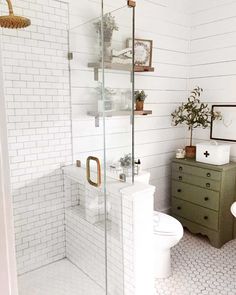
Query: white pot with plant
[
  {"x": 105, "y": 28},
  {"x": 105, "y": 103},
  {"x": 139, "y": 97},
  {"x": 193, "y": 114},
  {"x": 126, "y": 164}
]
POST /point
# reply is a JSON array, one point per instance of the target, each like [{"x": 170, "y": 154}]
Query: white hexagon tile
[{"x": 199, "y": 268}]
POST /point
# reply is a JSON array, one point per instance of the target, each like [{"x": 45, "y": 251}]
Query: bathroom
[{"x": 52, "y": 120}]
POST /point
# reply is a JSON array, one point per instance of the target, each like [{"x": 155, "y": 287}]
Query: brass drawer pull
[
  {"x": 180, "y": 178},
  {"x": 208, "y": 174},
  {"x": 179, "y": 208},
  {"x": 206, "y": 199},
  {"x": 180, "y": 168},
  {"x": 208, "y": 184},
  {"x": 179, "y": 190},
  {"x": 98, "y": 183},
  {"x": 205, "y": 217}
]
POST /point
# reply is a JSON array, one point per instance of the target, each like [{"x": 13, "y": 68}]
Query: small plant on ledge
[
  {"x": 194, "y": 114},
  {"x": 126, "y": 164},
  {"x": 140, "y": 97}
]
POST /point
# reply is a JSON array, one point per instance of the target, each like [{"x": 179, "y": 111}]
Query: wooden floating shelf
[
  {"x": 118, "y": 67},
  {"x": 143, "y": 113},
  {"x": 119, "y": 113}
]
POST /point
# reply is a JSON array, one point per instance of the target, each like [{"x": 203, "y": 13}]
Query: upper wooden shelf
[
  {"x": 119, "y": 67},
  {"x": 119, "y": 113}
]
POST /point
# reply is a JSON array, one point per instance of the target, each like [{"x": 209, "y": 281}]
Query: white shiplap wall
[
  {"x": 213, "y": 54},
  {"x": 167, "y": 24}
]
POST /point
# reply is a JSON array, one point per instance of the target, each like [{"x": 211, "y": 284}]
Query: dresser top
[{"x": 231, "y": 165}]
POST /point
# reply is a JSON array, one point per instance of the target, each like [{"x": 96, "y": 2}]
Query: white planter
[{"x": 212, "y": 153}]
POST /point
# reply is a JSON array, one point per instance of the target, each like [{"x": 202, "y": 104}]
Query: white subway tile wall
[
  {"x": 85, "y": 233},
  {"x": 36, "y": 80}
]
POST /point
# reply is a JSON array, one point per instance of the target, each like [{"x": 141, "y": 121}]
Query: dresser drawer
[
  {"x": 199, "y": 181},
  {"x": 200, "y": 196},
  {"x": 201, "y": 172},
  {"x": 195, "y": 213}
]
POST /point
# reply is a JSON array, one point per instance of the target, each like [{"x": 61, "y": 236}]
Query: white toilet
[{"x": 168, "y": 231}]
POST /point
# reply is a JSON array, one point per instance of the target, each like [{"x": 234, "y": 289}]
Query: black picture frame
[{"x": 223, "y": 127}]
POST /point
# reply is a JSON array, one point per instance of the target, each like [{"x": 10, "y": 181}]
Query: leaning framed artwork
[
  {"x": 224, "y": 129},
  {"x": 143, "y": 51}
]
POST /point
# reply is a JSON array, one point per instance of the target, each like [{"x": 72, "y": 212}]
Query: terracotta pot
[
  {"x": 190, "y": 152},
  {"x": 139, "y": 105}
]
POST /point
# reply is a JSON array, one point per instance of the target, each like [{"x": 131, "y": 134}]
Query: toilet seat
[{"x": 166, "y": 225}]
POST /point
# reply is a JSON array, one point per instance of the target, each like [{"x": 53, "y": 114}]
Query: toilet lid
[{"x": 165, "y": 224}]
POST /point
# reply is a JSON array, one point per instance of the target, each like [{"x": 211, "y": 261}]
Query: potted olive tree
[
  {"x": 193, "y": 114},
  {"x": 140, "y": 97}
]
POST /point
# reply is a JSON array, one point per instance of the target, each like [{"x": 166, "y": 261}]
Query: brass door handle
[{"x": 99, "y": 181}]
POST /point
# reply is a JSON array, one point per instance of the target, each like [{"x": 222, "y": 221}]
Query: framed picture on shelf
[
  {"x": 224, "y": 129},
  {"x": 142, "y": 51}
]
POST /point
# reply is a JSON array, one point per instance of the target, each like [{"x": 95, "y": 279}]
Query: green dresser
[{"x": 201, "y": 197}]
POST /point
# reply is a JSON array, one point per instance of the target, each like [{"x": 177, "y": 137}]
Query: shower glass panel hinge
[
  {"x": 96, "y": 121},
  {"x": 70, "y": 55}
]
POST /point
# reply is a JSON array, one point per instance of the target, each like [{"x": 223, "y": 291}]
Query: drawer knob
[
  {"x": 208, "y": 174},
  {"x": 179, "y": 190},
  {"x": 179, "y": 208},
  {"x": 208, "y": 184},
  {"x": 206, "y": 198},
  {"x": 205, "y": 217},
  {"x": 180, "y": 168},
  {"x": 180, "y": 178}
]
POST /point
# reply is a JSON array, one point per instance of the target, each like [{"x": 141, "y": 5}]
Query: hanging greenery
[
  {"x": 109, "y": 25},
  {"x": 194, "y": 113}
]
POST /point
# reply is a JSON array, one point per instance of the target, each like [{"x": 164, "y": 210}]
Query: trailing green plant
[
  {"x": 140, "y": 95},
  {"x": 126, "y": 161},
  {"x": 108, "y": 92},
  {"x": 109, "y": 25},
  {"x": 194, "y": 113}
]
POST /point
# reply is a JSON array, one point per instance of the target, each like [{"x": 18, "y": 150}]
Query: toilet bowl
[{"x": 168, "y": 231}]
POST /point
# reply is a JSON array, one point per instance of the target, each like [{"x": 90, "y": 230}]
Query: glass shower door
[
  {"x": 102, "y": 135},
  {"x": 118, "y": 132}
]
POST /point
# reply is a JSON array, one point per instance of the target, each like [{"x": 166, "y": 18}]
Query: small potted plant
[
  {"x": 140, "y": 97},
  {"x": 105, "y": 104},
  {"x": 194, "y": 114},
  {"x": 126, "y": 164},
  {"x": 107, "y": 25}
]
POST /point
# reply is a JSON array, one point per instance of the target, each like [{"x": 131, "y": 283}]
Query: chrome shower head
[{"x": 12, "y": 21}]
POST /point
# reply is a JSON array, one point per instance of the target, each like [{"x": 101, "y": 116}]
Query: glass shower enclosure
[{"x": 102, "y": 106}]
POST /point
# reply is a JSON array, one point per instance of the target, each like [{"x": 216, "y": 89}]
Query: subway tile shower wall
[{"x": 36, "y": 80}]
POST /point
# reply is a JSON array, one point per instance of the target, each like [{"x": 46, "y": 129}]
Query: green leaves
[
  {"x": 193, "y": 113},
  {"x": 140, "y": 95},
  {"x": 126, "y": 161},
  {"x": 109, "y": 24}
]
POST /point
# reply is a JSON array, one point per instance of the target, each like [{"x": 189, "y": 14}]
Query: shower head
[{"x": 12, "y": 21}]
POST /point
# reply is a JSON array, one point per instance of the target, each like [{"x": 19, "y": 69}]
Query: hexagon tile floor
[{"x": 198, "y": 268}]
